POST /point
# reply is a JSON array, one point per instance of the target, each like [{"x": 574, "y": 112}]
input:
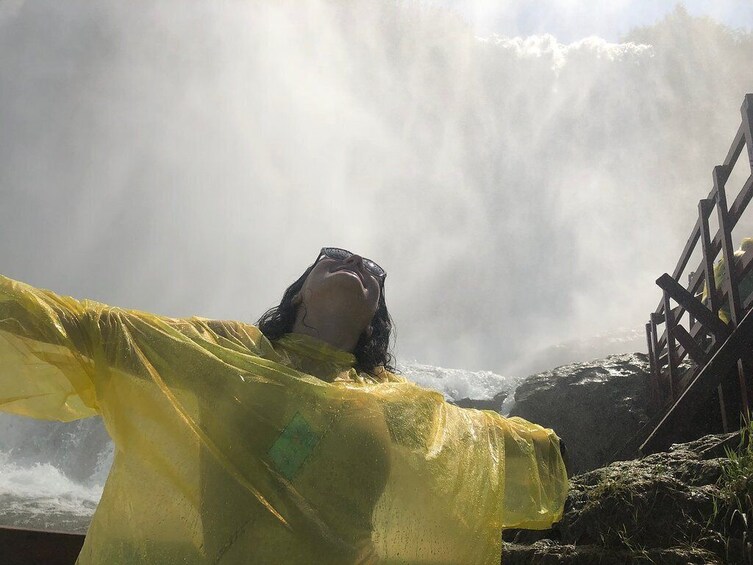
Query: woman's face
[{"x": 345, "y": 287}]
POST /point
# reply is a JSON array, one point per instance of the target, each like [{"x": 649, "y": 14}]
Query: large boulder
[
  {"x": 595, "y": 407},
  {"x": 494, "y": 403},
  {"x": 676, "y": 507}
]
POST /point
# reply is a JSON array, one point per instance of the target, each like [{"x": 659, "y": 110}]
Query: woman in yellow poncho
[
  {"x": 745, "y": 287},
  {"x": 287, "y": 443}
]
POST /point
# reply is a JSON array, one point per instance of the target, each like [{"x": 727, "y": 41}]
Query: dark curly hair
[{"x": 370, "y": 351}]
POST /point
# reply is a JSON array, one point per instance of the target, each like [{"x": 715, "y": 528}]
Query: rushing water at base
[
  {"x": 40, "y": 496},
  {"x": 52, "y": 473}
]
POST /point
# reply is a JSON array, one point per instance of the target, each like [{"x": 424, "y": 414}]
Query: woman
[
  {"x": 339, "y": 299},
  {"x": 287, "y": 443}
]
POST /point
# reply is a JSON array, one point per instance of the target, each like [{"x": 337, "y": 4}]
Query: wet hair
[{"x": 371, "y": 351}]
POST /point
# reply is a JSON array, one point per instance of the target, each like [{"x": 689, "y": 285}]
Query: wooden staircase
[{"x": 718, "y": 387}]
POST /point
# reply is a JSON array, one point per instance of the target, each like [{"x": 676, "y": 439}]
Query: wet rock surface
[
  {"x": 595, "y": 407},
  {"x": 667, "y": 508},
  {"x": 494, "y": 403}
]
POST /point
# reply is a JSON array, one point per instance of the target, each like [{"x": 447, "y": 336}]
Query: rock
[
  {"x": 595, "y": 407},
  {"x": 665, "y": 508},
  {"x": 494, "y": 403},
  {"x": 547, "y": 553}
]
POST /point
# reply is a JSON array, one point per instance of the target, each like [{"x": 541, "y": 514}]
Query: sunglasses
[{"x": 343, "y": 254}]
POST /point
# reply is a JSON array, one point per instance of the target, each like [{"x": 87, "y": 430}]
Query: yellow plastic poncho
[{"x": 231, "y": 449}]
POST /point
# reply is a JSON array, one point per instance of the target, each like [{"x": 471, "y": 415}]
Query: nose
[{"x": 355, "y": 260}]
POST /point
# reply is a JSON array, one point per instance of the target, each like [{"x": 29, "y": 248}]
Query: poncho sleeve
[
  {"x": 53, "y": 348},
  {"x": 46, "y": 365},
  {"x": 459, "y": 476}
]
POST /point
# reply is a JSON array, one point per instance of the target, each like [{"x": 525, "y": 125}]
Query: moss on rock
[{"x": 691, "y": 504}]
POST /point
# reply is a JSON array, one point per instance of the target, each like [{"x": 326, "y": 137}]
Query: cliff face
[
  {"x": 676, "y": 507},
  {"x": 595, "y": 407},
  {"x": 690, "y": 505}
]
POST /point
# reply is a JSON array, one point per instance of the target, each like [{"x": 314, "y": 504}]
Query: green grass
[{"x": 735, "y": 509}]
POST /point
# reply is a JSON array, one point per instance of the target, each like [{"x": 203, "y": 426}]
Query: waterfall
[{"x": 190, "y": 157}]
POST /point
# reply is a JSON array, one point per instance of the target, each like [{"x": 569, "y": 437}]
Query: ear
[{"x": 297, "y": 299}]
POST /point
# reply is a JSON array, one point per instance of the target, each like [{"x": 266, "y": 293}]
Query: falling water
[{"x": 189, "y": 158}]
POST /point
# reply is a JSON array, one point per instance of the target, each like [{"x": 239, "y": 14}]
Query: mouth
[{"x": 354, "y": 271}]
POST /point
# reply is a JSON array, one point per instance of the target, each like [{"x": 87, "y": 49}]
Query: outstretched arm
[
  {"x": 536, "y": 480},
  {"x": 46, "y": 366},
  {"x": 55, "y": 350}
]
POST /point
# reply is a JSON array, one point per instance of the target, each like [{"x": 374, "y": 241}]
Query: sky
[
  {"x": 571, "y": 20},
  {"x": 509, "y": 164}
]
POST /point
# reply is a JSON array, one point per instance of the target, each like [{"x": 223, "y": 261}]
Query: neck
[{"x": 330, "y": 327}]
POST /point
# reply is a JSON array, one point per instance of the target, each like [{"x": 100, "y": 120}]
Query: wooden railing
[{"x": 695, "y": 353}]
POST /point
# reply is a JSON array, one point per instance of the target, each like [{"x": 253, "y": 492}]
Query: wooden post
[
  {"x": 747, "y": 112},
  {"x": 650, "y": 349},
  {"x": 653, "y": 382},
  {"x": 657, "y": 359},
  {"x": 723, "y": 408},
  {"x": 731, "y": 279},
  {"x": 691, "y": 318},
  {"x": 745, "y": 368},
  {"x": 657, "y": 355},
  {"x": 671, "y": 348},
  {"x": 747, "y": 115},
  {"x": 704, "y": 211},
  {"x": 656, "y": 319}
]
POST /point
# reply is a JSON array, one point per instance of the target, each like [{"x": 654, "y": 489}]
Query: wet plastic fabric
[
  {"x": 720, "y": 271},
  {"x": 231, "y": 449}
]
